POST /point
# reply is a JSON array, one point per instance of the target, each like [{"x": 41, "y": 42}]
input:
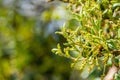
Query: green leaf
[
  {"x": 111, "y": 45},
  {"x": 119, "y": 33},
  {"x": 115, "y": 6}
]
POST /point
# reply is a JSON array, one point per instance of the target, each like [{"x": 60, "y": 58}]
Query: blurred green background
[{"x": 26, "y": 38}]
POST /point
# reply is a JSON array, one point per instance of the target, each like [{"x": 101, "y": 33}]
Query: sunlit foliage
[{"x": 95, "y": 38}]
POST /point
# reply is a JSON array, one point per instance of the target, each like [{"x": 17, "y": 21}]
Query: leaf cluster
[{"x": 96, "y": 39}]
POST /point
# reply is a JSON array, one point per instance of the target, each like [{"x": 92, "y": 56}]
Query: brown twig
[{"x": 110, "y": 75}]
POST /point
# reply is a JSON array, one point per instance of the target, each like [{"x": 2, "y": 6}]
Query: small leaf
[
  {"x": 115, "y": 6},
  {"x": 119, "y": 33},
  {"x": 54, "y": 50},
  {"x": 111, "y": 45}
]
